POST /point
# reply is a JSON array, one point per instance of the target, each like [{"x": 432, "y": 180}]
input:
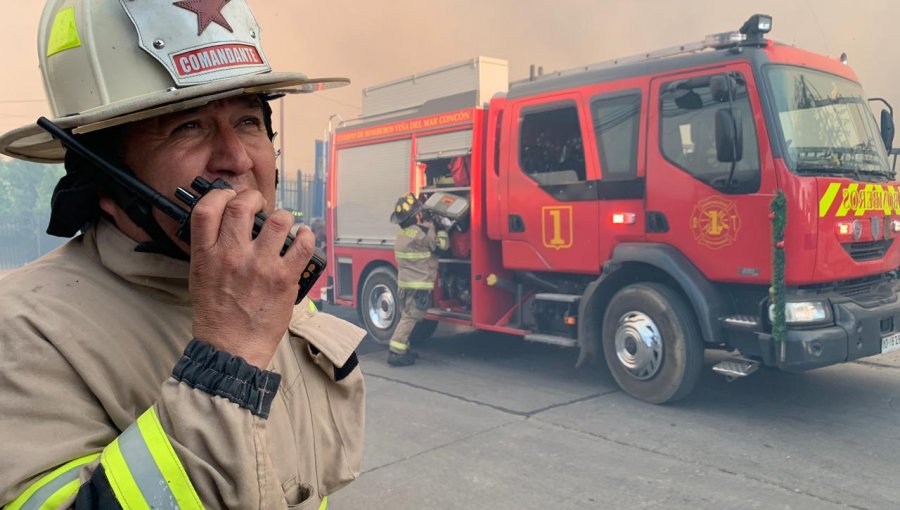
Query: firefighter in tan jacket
[
  {"x": 137, "y": 371},
  {"x": 415, "y": 249}
]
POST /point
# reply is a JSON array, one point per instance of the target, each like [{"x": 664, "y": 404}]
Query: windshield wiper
[
  {"x": 855, "y": 173},
  {"x": 887, "y": 175},
  {"x": 827, "y": 170}
]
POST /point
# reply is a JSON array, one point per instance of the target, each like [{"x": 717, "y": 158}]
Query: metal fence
[
  {"x": 22, "y": 243},
  {"x": 306, "y": 194}
]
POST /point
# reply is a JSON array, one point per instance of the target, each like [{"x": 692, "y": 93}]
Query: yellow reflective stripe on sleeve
[
  {"x": 412, "y": 255},
  {"x": 415, "y": 285},
  {"x": 312, "y": 307},
  {"x": 397, "y": 346},
  {"x": 324, "y": 505},
  {"x": 143, "y": 469},
  {"x": 67, "y": 491},
  {"x": 120, "y": 480},
  {"x": 443, "y": 240},
  {"x": 167, "y": 461},
  {"x": 54, "y": 488}
]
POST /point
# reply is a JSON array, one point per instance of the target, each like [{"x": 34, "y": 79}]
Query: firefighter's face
[{"x": 224, "y": 139}]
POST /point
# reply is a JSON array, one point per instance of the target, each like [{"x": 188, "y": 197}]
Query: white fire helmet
[{"x": 110, "y": 62}]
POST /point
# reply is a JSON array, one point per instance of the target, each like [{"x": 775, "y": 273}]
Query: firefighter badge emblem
[{"x": 715, "y": 222}]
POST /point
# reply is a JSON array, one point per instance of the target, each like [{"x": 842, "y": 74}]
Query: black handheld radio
[{"x": 201, "y": 186}]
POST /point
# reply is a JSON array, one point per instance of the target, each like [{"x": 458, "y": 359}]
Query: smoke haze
[{"x": 380, "y": 40}]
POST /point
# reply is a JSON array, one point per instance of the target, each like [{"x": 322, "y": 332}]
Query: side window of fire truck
[
  {"x": 551, "y": 150},
  {"x": 616, "y": 123},
  {"x": 688, "y": 131}
]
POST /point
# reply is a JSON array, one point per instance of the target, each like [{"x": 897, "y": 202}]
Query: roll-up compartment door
[
  {"x": 370, "y": 179},
  {"x": 447, "y": 145}
]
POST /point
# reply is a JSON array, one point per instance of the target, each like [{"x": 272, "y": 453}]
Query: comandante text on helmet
[{"x": 207, "y": 59}]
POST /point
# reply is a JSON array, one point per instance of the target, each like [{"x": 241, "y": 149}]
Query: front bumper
[{"x": 857, "y": 332}]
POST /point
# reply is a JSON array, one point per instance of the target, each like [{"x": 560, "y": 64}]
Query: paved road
[{"x": 486, "y": 421}]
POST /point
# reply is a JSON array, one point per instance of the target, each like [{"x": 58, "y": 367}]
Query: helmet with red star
[{"x": 110, "y": 62}]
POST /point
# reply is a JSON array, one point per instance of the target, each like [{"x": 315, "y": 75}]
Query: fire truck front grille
[
  {"x": 857, "y": 289},
  {"x": 871, "y": 250}
]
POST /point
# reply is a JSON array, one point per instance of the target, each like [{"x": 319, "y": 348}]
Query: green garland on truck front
[{"x": 776, "y": 292}]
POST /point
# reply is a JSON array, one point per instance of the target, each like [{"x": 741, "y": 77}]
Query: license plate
[{"x": 890, "y": 343}]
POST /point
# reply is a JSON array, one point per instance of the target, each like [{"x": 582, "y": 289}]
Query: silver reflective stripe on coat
[
  {"x": 53, "y": 489},
  {"x": 144, "y": 470},
  {"x": 37, "y": 500}
]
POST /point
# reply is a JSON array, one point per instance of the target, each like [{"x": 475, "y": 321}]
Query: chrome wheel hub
[
  {"x": 639, "y": 345},
  {"x": 382, "y": 307}
]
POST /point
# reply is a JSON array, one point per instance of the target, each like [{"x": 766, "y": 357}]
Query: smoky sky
[{"x": 375, "y": 41}]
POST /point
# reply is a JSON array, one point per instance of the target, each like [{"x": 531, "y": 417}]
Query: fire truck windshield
[{"x": 826, "y": 126}]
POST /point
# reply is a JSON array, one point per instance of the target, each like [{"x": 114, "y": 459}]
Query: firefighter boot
[{"x": 401, "y": 360}]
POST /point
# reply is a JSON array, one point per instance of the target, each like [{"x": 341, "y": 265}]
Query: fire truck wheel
[
  {"x": 652, "y": 343},
  {"x": 379, "y": 304},
  {"x": 379, "y": 308}
]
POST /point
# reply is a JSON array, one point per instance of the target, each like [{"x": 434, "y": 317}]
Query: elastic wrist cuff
[{"x": 219, "y": 373}]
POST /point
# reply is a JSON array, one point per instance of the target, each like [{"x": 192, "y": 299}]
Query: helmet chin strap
[
  {"x": 141, "y": 213},
  {"x": 138, "y": 210}
]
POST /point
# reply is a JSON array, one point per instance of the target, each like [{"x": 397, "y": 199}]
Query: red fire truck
[{"x": 635, "y": 209}]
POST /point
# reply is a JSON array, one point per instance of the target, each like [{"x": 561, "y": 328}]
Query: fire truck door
[
  {"x": 708, "y": 200},
  {"x": 549, "y": 189}
]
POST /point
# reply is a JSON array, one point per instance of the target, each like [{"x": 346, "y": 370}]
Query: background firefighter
[{"x": 415, "y": 248}]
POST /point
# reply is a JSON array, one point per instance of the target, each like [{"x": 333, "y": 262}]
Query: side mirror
[
  {"x": 718, "y": 87},
  {"x": 729, "y": 136},
  {"x": 887, "y": 130}
]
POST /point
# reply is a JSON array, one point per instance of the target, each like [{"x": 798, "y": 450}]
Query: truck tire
[
  {"x": 379, "y": 308},
  {"x": 652, "y": 343}
]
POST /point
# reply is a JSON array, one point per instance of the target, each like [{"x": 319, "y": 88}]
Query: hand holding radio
[
  {"x": 244, "y": 272},
  {"x": 312, "y": 270},
  {"x": 247, "y": 270}
]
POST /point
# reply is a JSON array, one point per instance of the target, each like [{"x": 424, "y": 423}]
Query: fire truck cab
[{"x": 730, "y": 194}]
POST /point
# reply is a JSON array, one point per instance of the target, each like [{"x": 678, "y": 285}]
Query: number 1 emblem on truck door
[
  {"x": 715, "y": 222},
  {"x": 557, "y": 227}
]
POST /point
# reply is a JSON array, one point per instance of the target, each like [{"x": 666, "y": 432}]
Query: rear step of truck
[{"x": 561, "y": 341}]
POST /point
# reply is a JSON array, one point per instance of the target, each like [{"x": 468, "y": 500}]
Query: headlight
[{"x": 802, "y": 312}]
